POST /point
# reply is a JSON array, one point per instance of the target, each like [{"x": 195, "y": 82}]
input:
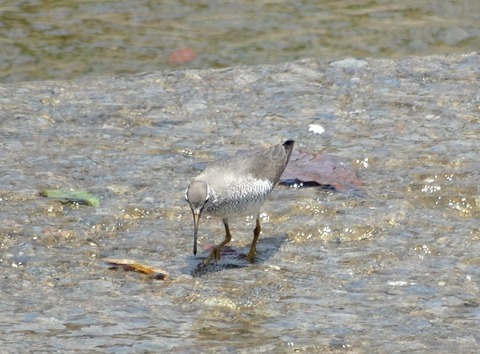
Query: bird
[{"x": 236, "y": 186}]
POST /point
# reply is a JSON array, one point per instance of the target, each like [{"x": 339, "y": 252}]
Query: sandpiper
[{"x": 237, "y": 186}]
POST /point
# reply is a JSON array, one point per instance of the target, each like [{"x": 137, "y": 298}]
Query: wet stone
[{"x": 336, "y": 270}]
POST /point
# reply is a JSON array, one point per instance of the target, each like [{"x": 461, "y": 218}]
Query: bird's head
[{"x": 197, "y": 195}]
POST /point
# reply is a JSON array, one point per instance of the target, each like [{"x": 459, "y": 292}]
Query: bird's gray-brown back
[
  {"x": 262, "y": 164},
  {"x": 245, "y": 180}
]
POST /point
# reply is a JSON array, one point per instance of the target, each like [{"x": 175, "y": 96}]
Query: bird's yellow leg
[
  {"x": 253, "y": 247},
  {"x": 216, "y": 250}
]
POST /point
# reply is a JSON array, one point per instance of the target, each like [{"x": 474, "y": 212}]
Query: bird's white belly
[
  {"x": 242, "y": 199},
  {"x": 227, "y": 210}
]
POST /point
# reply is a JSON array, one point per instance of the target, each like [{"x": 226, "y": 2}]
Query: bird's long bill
[{"x": 196, "y": 221}]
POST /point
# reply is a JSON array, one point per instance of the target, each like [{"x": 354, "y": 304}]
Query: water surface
[
  {"x": 63, "y": 40},
  {"x": 395, "y": 268}
]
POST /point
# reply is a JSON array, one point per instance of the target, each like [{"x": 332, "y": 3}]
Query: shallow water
[
  {"x": 44, "y": 39},
  {"x": 392, "y": 269}
]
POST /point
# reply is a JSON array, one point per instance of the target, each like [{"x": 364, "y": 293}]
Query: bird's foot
[
  {"x": 251, "y": 255},
  {"x": 214, "y": 254}
]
